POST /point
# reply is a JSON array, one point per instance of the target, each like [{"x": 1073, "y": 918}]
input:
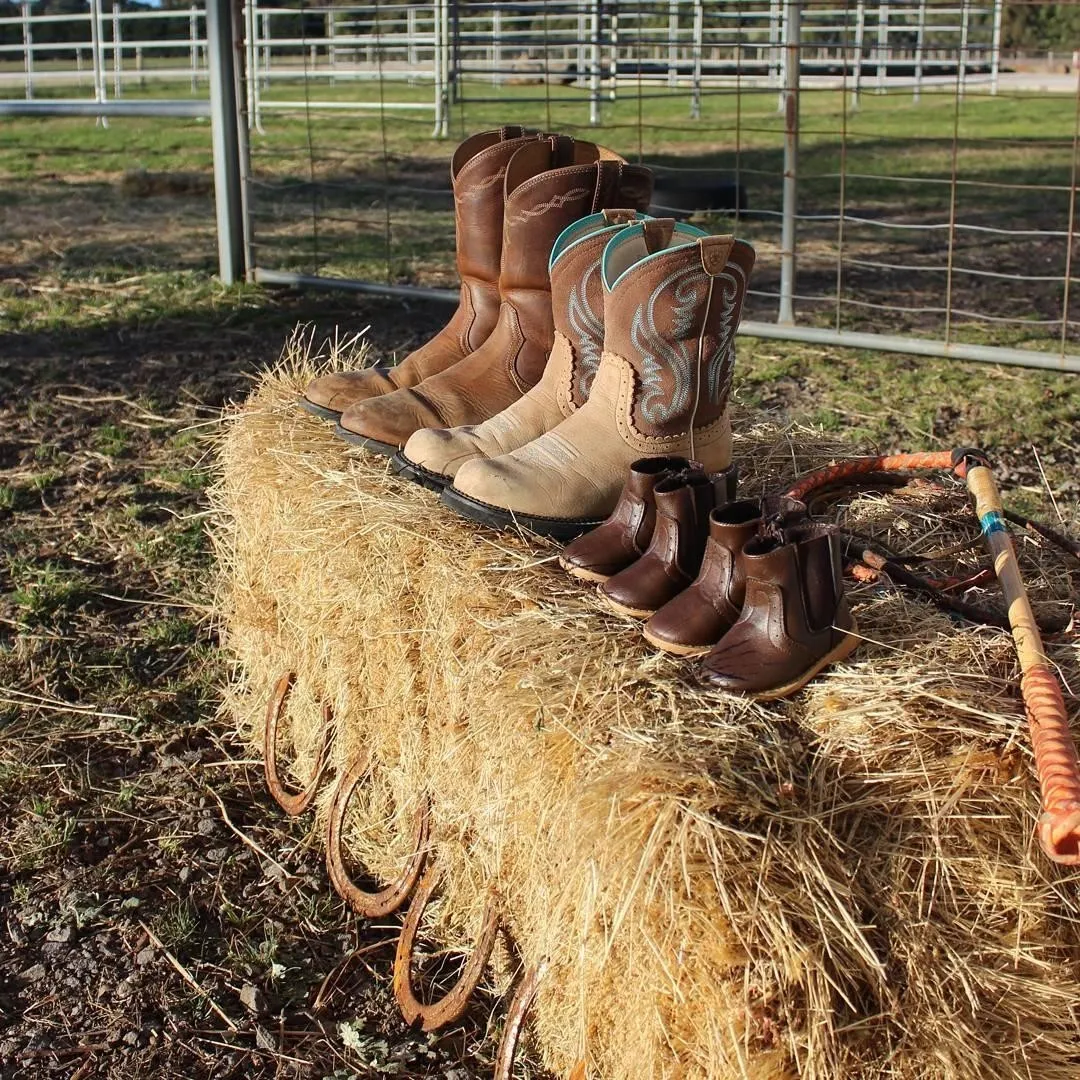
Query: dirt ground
[{"x": 161, "y": 917}]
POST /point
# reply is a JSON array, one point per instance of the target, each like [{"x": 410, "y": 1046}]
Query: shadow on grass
[{"x": 207, "y": 354}]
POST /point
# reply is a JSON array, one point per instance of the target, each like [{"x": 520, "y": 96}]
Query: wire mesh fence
[{"x": 904, "y": 169}]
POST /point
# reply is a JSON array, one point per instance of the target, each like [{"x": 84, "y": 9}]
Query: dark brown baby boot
[
  {"x": 795, "y": 618},
  {"x": 673, "y": 558},
  {"x": 696, "y": 619},
  {"x": 622, "y": 539}
]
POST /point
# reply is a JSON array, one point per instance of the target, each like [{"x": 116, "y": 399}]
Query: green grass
[{"x": 48, "y": 594}]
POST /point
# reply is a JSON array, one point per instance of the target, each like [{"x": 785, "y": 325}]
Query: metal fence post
[
  {"x": 995, "y": 48},
  {"x": 95, "y": 49},
  {"x": 786, "y": 315},
  {"x": 448, "y": 74},
  {"x": 774, "y": 43},
  {"x": 193, "y": 46},
  {"x": 699, "y": 33},
  {"x": 331, "y": 47},
  {"x": 882, "y": 45},
  {"x": 264, "y": 17},
  {"x": 673, "y": 43},
  {"x": 594, "y": 63},
  {"x": 224, "y": 122},
  {"x": 453, "y": 47},
  {"x": 614, "y": 70},
  {"x": 117, "y": 52},
  {"x": 860, "y": 35},
  {"x": 962, "y": 73},
  {"x": 249, "y": 57},
  {"x": 438, "y": 60},
  {"x": 28, "y": 50},
  {"x": 920, "y": 44}
]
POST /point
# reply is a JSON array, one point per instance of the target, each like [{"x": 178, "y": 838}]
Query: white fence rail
[{"x": 452, "y": 56}]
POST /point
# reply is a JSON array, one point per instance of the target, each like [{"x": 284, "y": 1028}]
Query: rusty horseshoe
[
  {"x": 515, "y": 1021},
  {"x": 371, "y": 905},
  {"x": 453, "y": 1004},
  {"x": 292, "y": 804}
]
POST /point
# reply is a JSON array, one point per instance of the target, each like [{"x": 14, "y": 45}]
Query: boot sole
[
  {"x": 581, "y": 573},
  {"x": 409, "y": 470},
  {"x": 498, "y": 517},
  {"x": 320, "y": 411},
  {"x": 376, "y": 447},
  {"x": 841, "y": 652},
  {"x": 673, "y": 647},
  {"x": 634, "y": 613}
]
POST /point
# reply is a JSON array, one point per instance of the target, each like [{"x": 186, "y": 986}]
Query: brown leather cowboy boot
[
  {"x": 672, "y": 560},
  {"x": 549, "y": 184},
  {"x": 622, "y": 539},
  {"x": 673, "y": 298},
  {"x": 433, "y": 455},
  {"x": 476, "y": 172},
  {"x": 696, "y": 619},
  {"x": 795, "y": 618}
]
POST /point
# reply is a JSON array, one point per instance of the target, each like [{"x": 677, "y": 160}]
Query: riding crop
[{"x": 1055, "y": 752}]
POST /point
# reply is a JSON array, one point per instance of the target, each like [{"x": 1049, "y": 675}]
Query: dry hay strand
[{"x": 843, "y": 886}]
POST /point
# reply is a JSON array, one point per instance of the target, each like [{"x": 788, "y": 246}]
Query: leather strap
[{"x": 714, "y": 253}]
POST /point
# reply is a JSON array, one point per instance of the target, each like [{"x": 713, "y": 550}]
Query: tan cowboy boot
[
  {"x": 477, "y": 172},
  {"x": 433, "y": 455},
  {"x": 672, "y": 303},
  {"x": 549, "y": 184}
]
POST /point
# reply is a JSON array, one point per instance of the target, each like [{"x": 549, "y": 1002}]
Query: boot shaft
[
  {"x": 577, "y": 293},
  {"x": 550, "y": 184},
  {"x": 672, "y": 305},
  {"x": 684, "y": 504},
  {"x": 478, "y": 172},
  {"x": 803, "y": 567},
  {"x": 731, "y": 527}
]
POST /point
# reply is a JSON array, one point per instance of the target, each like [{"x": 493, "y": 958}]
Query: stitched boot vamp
[
  {"x": 576, "y": 470},
  {"x": 342, "y": 389},
  {"x": 757, "y": 654},
  {"x": 474, "y": 389}
]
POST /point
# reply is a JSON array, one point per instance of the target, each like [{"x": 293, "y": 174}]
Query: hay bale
[{"x": 840, "y": 887}]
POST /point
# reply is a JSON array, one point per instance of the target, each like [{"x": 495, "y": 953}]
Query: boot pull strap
[
  {"x": 619, "y": 217},
  {"x": 715, "y": 251},
  {"x": 562, "y": 150},
  {"x": 657, "y": 233}
]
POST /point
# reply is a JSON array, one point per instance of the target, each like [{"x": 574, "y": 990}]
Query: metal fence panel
[{"x": 908, "y": 183}]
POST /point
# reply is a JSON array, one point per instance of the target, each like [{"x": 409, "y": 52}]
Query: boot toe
[
  {"x": 738, "y": 668},
  {"x": 441, "y": 450},
  {"x": 494, "y": 481},
  {"x": 686, "y": 623},
  {"x": 341, "y": 389},
  {"x": 389, "y": 419},
  {"x": 641, "y": 589}
]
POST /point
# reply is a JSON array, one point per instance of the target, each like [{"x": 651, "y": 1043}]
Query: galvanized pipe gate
[{"x": 238, "y": 51}]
